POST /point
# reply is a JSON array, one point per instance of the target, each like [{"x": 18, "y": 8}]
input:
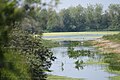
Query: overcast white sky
[{"x": 84, "y": 3}]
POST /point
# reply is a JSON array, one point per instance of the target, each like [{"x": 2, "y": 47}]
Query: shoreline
[{"x": 107, "y": 45}]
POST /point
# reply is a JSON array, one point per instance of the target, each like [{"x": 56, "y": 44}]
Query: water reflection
[
  {"x": 77, "y": 54},
  {"x": 62, "y": 64},
  {"x": 75, "y": 67},
  {"x": 79, "y": 64}
]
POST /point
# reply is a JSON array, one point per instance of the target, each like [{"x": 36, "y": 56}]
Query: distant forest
[{"x": 73, "y": 19}]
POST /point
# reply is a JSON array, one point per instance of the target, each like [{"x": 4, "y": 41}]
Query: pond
[
  {"x": 75, "y": 62},
  {"x": 65, "y": 66}
]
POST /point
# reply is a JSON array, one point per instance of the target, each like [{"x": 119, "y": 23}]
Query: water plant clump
[
  {"x": 113, "y": 60},
  {"x": 77, "y": 53}
]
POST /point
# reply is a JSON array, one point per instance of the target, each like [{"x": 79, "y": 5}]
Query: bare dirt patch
[{"x": 107, "y": 46}]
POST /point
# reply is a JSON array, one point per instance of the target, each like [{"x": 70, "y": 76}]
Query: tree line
[{"x": 91, "y": 18}]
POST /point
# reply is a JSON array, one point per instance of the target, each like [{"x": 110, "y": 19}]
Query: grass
[
  {"x": 115, "y": 78},
  {"x": 87, "y": 43},
  {"x": 92, "y": 61},
  {"x": 78, "y": 33},
  {"x": 112, "y": 71},
  {"x": 15, "y": 67},
  {"x": 54, "y": 77},
  {"x": 79, "y": 43},
  {"x": 114, "y": 37},
  {"x": 50, "y": 43}
]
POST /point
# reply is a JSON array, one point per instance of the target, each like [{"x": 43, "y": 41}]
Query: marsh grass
[
  {"x": 50, "y": 43},
  {"x": 114, "y": 37},
  {"x": 115, "y": 78},
  {"x": 54, "y": 77},
  {"x": 92, "y": 61}
]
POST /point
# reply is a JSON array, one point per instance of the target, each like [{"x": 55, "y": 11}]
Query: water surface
[{"x": 65, "y": 66}]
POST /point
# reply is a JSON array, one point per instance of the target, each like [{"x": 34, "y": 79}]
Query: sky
[{"x": 84, "y": 3}]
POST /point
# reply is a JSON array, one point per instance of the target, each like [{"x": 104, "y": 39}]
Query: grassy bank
[
  {"x": 108, "y": 43},
  {"x": 92, "y": 61},
  {"x": 54, "y": 77},
  {"x": 115, "y": 78},
  {"x": 114, "y": 37},
  {"x": 78, "y": 33},
  {"x": 114, "y": 72}
]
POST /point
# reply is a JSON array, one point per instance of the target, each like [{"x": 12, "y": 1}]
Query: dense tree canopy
[{"x": 92, "y": 18}]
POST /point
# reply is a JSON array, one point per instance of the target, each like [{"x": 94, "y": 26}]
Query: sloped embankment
[{"x": 107, "y": 45}]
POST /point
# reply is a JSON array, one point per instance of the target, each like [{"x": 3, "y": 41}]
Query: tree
[
  {"x": 54, "y": 21},
  {"x": 43, "y": 18},
  {"x": 92, "y": 18},
  {"x": 79, "y": 18},
  {"x": 98, "y": 16},
  {"x": 105, "y": 22},
  {"x": 10, "y": 13},
  {"x": 114, "y": 13},
  {"x": 38, "y": 58}
]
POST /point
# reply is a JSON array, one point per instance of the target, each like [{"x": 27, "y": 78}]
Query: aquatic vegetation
[
  {"x": 50, "y": 43},
  {"x": 113, "y": 60},
  {"x": 54, "y": 77},
  {"x": 79, "y": 64},
  {"x": 114, "y": 65},
  {"x": 79, "y": 43},
  {"x": 76, "y": 54},
  {"x": 115, "y": 78},
  {"x": 81, "y": 55}
]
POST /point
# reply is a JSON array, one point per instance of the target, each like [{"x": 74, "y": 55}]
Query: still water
[{"x": 65, "y": 66}]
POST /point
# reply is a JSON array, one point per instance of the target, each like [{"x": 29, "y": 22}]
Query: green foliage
[
  {"x": 16, "y": 67},
  {"x": 80, "y": 43},
  {"x": 78, "y": 18},
  {"x": 51, "y": 77},
  {"x": 54, "y": 21},
  {"x": 38, "y": 56},
  {"x": 49, "y": 43},
  {"x": 113, "y": 60},
  {"x": 115, "y": 37},
  {"x": 115, "y": 78},
  {"x": 76, "y": 54},
  {"x": 87, "y": 43},
  {"x": 22, "y": 57},
  {"x": 73, "y": 43},
  {"x": 9, "y": 11}
]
